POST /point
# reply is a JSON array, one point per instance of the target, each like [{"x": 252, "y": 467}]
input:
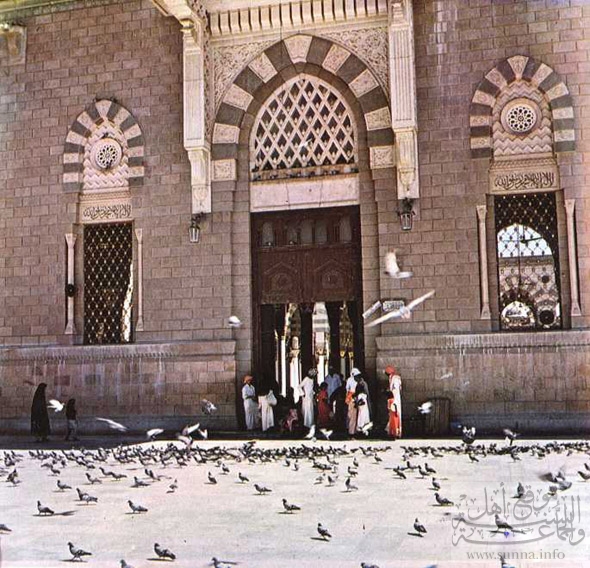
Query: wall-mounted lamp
[
  {"x": 406, "y": 213},
  {"x": 194, "y": 231}
]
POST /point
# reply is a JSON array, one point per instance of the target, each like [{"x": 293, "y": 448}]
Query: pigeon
[
  {"x": 216, "y": 563},
  {"x": 139, "y": 483},
  {"x": 372, "y": 309},
  {"x": 62, "y": 486},
  {"x": 261, "y": 489},
  {"x": 188, "y": 430},
  {"x": 289, "y": 507},
  {"x": 446, "y": 376},
  {"x": 234, "y": 321},
  {"x": 92, "y": 480},
  {"x": 77, "y": 553},
  {"x": 173, "y": 486},
  {"x": 468, "y": 434},
  {"x": 419, "y": 528},
  {"x": 510, "y": 435},
  {"x": 404, "y": 312},
  {"x": 349, "y": 485},
  {"x": 207, "y": 406},
  {"x": 520, "y": 490},
  {"x": 125, "y": 565},
  {"x": 151, "y": 434},
  {"x": 113, "y": 425},
  {"x": 435, "y": 484},
  {"x": 211, "y": 479},
  {"x": 55, "y": 405},
  {"x": 326, "y": 433},
  {"x": 136, "y": 508},
  {"x": 502, "y": 524},
  {"x": 584, "y": 475},
  {"x": 86, "y": 497},
  {"x": 323, "y": 532},
  {"x": 44, "y": 510},
  {"x": 392, "y": 268},
  {"x": 366, "y": 428},
  {"x": 365, "y": 565},
  {"x": 443, "y": 501},
  {"x": 425, "y": 408},
  {"x": 4, "y": 528},
  {"x": 163, "y": 552},
  {"x": 242, "y": 478},
  {"x": 203, "y": 433}
]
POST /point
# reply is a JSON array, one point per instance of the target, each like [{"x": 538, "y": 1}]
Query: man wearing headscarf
[
  {"x": 395, "y": 386},
  {"x": 39, "y": 415},
  {"x": 250, "y": 403}
]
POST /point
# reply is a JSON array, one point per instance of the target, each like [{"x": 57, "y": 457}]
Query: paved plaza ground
[{"x": 372, "y": 524}]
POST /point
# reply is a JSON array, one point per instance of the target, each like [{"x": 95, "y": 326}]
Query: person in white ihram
[
  {"x": 306, "y": 388},
  {"x": 266, "y": 400},
  {"x": 250, "y": 403}
]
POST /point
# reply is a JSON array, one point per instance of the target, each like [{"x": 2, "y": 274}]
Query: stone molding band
[{"x": 541, "y": 76}]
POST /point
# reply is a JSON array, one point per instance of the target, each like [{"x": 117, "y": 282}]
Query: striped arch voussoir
[
  {"x": 540, "y": 76},
  {"x": 299, "y": 50},
  {"x": 81, "y": 130}
]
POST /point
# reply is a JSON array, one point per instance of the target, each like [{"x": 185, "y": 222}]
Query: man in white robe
[
  {"x": 350, "y": 392},
  {"x": 250, "y": 403},
  {"x": 306, "y": 388}
]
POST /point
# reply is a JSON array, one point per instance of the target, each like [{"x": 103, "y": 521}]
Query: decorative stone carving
[
  {"x": 364, "y": 83},
  {"x": 228, "y": 62},
  {"x": 106, "y": 154},
  {"x": 263, "y": 67},
  {"x": 335, "y": 58},
  {"x": 224, "y": 170},
  {"x": 382, "y": 157},
  {"x": 200, "y": 159},
  {"x": 524, "y": 175},
  {"x": 407, "y": 165},
  {"x": 298, "y": 46},
  {"x": 370, "y": 45},
  {"x": 378, "y": 119},
  {"x": 237, "y": 97},
  {"x": 105, "y": 159},
  {"x": 100, "y": 213},
  {"x": 520, "y": 116},
  {"x": 225, "y": 134},
  {"x": 13, "y": 44}
]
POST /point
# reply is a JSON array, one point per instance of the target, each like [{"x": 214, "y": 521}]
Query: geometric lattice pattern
[
  {"x": 106, "y": 159},
  {"x": 305, "y": 127},
  {"x": 528, "y": 261},
  {"x": 108, "y": 283}
]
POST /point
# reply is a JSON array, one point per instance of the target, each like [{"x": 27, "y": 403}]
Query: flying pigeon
[
  {"x": 326, "y": 433},
  {"x": 55, "y": 405},
  {"x": 207, "y": 406},
  {"x": 425, "y": 408},
  {"x": 392, "y": 268},
  {"x": 113, "y": 425},
  {"x": 404, "y": 312},
  {"x": 151, "y": 434},
  {"x": 163, "y": 552},
  {"x": 188, "y": 430},
  {"x": 419, "y": 528},
  {"x": 311, "y": 434},
  {"x": 372, "y": 309},
  {"x": 77, "y": 553},
  {"x": 323, "y": 532},
  {"x": 510, "y": 435},
  {"x": 234, "y": 321}
]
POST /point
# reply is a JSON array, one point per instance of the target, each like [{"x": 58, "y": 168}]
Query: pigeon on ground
[
  {"x": 290, "y": 507},
  {"x": 139, "y": 483},
  {"x": 44, "y": 510},
  {"x": 404, "y": 312},
  {"x": 62, "y": 486},
  {"x": 216, "y": 563},
  {"x": 163, "y": 552},
  {"x": 92, "y": 480},
  {"x": 207, "y": 406},
  {"x": 323, "y": 532},
  {"x": 419, "y": 527},
  {"x": 242, "y": 478},
  {"x": 520, "y": 490},
  {"x": 77, "y": 553},
  {"x": 234, "y": 321},
  {"x": 365, "y": 565},
  {"x": 349, "y": 485},
  {"x": 366, "y": 429},
  {"x": 435, "y": 484},
  {"x": 125, "y": 565},
  {"x": 4, "y": 528},
  {"x": 584, "y": 475},
  {"x": 56, "y": 405},
  {"x": 82, "y": 496},
  {"x": 262, "y": 489},
  {"x": 443, "y": 501},
  {"x": 113, "y": 425},
  {"x": 392, "y": 268},
  {"x": 211, "y": 479},
  {"x": 502, "y": 524},
  {"x": 136, "y": 508}
]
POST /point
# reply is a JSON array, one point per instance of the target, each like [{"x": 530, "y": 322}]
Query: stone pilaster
[
  {"x": 570, "y": 205},
  {"x": 70, "y": 326},
  {"x": 483, "y": 262},
  {"x": 139, "y": 236}
]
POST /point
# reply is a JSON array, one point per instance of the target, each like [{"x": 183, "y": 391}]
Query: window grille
[
  {"x": 528, "y": 261},
  {"x": 108, "y": 283},
  {"x": 305, "y": 129}
]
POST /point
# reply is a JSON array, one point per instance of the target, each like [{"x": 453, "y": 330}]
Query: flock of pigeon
[{"x": 153, "y": 465}]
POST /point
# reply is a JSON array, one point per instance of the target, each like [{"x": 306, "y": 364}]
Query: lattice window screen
[{"x": 304, "y": 129}]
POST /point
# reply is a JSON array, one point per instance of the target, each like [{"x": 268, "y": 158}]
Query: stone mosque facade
[{"x": 168, "y": 164}]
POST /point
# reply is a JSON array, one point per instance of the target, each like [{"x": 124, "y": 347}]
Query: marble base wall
[
  {"x": 140, "y": 385},
  {"x": 539, "y": 383}
]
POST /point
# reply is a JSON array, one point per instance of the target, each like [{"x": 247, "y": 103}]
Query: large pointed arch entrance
[{"x": 307, "y": 293}]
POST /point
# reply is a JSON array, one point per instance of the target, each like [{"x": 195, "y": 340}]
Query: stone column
[
  {"x": 402, "y": 81},
  {"x": 139, "y": 236},
  {"x": 194, "y": 33},
  {"x": 483, "y": 262},
  {"x": 70, "y": 326},
  {"x": 570, "y": 205}
]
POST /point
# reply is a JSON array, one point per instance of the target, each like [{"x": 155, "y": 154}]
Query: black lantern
[
  {"x": 406, "y": 213},
  {"x": 194, "y": 230}
]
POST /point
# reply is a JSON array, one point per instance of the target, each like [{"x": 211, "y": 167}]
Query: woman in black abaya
[{"x": 39, "y": 415}]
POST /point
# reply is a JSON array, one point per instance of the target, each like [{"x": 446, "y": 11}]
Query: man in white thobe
[
  {"x": 350, "y": 392},
  {"x": 250, "y": 403},
  {"x": 306, "y": 388}
]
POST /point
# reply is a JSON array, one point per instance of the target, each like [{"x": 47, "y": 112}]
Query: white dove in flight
[
  {"x": 392, "y": 267},
  {"x": 403, "y": 312}
]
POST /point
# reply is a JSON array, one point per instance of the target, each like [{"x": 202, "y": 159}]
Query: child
[
  {"x": 71, "y": 416},
  {"x": 393, "y": 426}
]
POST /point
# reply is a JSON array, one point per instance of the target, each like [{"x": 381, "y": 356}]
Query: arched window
[{"x": 304, "y": 129}]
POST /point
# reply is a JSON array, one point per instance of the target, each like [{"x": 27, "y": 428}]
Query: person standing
[
  {"x": 333, "y": 381},
  {"x": 72, "y": 419},
  {"x": 307, "y": 393},
  {"x": 266, "y": 401},
  {"x": 351, "y": 384},
  {"x": 39, "y": 415},
  {"x": 250, "y": 403},
  {"x": 362, "y": 404},
  {"x": 324, "y": 410},
  {"x": 393, "y": 424},
  {"x": 395, "y": 386}
]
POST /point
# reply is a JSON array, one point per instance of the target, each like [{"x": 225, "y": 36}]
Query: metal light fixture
[
  {"x": 406, "y": 213},
  {"x": 194, "y": 231}
]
